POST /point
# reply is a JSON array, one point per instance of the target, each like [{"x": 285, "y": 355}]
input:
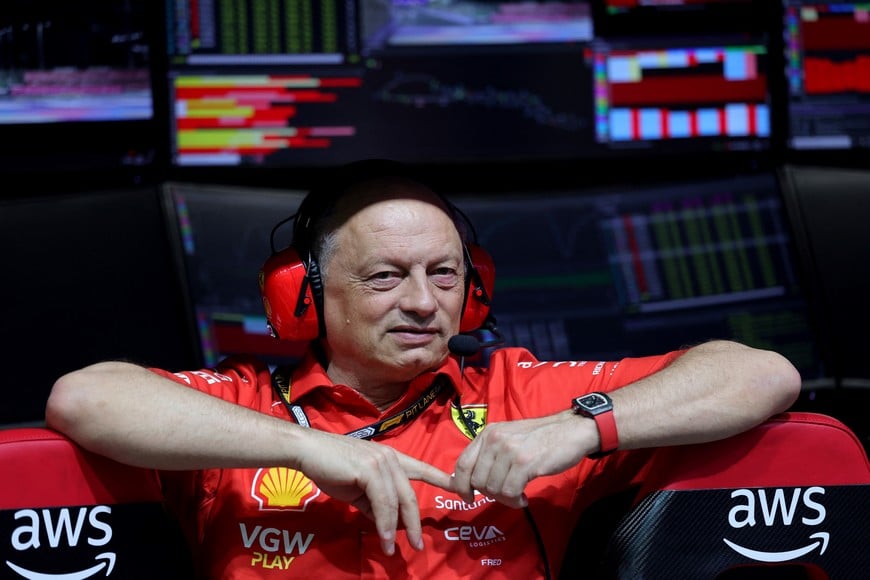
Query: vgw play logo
[
  {"x": 46, "y": 532},
  {"x": 773, "y": 507}
]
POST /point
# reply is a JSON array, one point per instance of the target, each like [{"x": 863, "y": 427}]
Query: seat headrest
[
  {"x": 71, "y": 513},
  {"x": 789, "y": 449},
  {"x": 794, "y": 491}
]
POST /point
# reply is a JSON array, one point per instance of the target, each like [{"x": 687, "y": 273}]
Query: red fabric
[
  {"x": 241, "y": 534},
  {"x": 777, "y": 453},
  {"x": 41, "y": 468},
  {"x": 791, "y": 492}
]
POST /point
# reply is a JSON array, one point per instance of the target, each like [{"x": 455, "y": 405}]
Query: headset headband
[{"x": 290, "y": 281}]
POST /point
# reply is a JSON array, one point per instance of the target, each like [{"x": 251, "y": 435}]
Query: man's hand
[
  {"x": 505, "y": 457},
  {"x": 373, "y": 478}
]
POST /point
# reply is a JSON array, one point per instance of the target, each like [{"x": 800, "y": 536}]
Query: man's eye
[
  {"x": 385, "y": 279},
  {"x": 445, "y": 277}
]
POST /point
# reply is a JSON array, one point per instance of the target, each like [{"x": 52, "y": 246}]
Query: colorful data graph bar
[
  {"x": 828, "y": 47},
  {"x": 221, "y": 118},
  {"x": 825, "y": 76},
  {"x": 681, "y": 93},
  {"x": 835, "y": 26},
  {"x": 201, "y": 31},
  {"x": 628, "y": 4},
  {"x": 736, "y": 120},
  {"x": 682, "y": 254}
]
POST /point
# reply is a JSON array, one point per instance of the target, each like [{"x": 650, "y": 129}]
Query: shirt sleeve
[
  {"x": 532, "y": 387},
  {"x": 242, "y": 380},
  {"x": 527, "y": 387},
  {"x": 621, "y": 373},
  {"x": 191, "y": 494}
]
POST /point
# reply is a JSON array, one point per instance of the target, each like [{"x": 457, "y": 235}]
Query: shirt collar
[{"x": 309, "y": 376}]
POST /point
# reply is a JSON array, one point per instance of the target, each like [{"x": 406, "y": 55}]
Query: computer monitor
[
  {"x": 657, "y": 17},
  {"x": 830, "y": 208},
  {"x": 222, "y": 235},
  {"x": 827, "y": 62},
  {"x": 76, "y": 84},
  {"x": 682, "y": 95},
  {"x": 88, "y": 275},
  {"x": 320, "y": 83},
  {"x": 633, "y": 270},
  {"x": 581, "y": 274}
]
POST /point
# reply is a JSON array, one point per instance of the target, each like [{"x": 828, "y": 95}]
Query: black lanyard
[{"x": 281, "y": 386}]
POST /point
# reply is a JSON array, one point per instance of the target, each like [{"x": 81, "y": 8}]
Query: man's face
[{"x": 393, "y": 292}]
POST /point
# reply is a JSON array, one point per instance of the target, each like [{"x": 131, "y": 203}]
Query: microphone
[
  {"x": 463, "y": 345},
  {"x": 467, "y": 345}
]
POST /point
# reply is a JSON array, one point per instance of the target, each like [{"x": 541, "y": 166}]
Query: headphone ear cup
[
  {"x": 481, "y": 283},
  {"x": 287, "y": 297}
]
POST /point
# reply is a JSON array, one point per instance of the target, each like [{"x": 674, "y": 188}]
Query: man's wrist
[{"x": 599, "y": 407}]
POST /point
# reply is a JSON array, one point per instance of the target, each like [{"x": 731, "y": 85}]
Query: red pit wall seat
[
  {"x": 793, "y": 494},
  {"x": 65, "y": 512}
]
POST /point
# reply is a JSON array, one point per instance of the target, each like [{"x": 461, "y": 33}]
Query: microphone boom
[{"x": 463, "y": 345}]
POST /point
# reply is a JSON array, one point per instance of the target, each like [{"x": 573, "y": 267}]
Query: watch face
[{"x": 593, "y": 401}]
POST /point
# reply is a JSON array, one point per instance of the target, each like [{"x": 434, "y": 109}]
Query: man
[{"x": 265, "y": 479}]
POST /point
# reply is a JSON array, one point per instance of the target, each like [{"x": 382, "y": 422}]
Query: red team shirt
[{"x": 275, "y": 522}]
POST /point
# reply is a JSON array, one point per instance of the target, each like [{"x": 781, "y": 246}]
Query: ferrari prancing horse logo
[{"x": 475, "y": 415}]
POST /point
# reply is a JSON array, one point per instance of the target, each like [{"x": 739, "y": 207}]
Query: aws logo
[
  {"x": 52, "y": 529},
  {"x": 777, "y": 508},
  {"x": 282, "y": 488}
]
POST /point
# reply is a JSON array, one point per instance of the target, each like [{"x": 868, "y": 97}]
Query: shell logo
[{"x": 282, "y": 488}]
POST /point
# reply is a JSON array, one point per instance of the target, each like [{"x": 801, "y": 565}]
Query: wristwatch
[{"x": 599, "y": 407}]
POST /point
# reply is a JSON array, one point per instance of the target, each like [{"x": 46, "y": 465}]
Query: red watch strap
[{"x": 607, "y": 431}]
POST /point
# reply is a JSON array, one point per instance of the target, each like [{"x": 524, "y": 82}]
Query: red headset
[
  {"x": 290, "y": 282},
  {"x": 293, "y": 295}
]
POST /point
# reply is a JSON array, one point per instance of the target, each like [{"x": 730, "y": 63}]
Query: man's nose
[{"x": 418, "y": 294}]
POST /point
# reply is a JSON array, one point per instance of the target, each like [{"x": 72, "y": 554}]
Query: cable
[{"x": 464, "y": 345}]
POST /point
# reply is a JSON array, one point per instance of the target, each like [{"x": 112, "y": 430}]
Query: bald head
[{"x": 363, "y": 194}]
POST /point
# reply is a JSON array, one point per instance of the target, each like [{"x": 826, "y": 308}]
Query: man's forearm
[
  {"x": 135, "y": 416},
  {"x": 713, "y": 391}
]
